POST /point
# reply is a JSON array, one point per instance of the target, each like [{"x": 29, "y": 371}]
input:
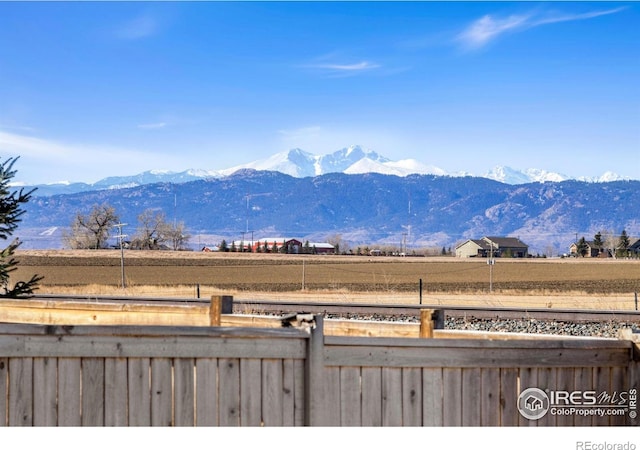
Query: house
[
  {"x": 493, "y": 246},
  {"x": 259, "y": 245},
  {"x": 592, "y": 251},
  {"x": 472, "y": 248},
  {"x": 283, "y": 245},
  {"x": 508, "y": 246},
  {"x": 322, "y": 248},
  {"x": 634, "y": 247}
]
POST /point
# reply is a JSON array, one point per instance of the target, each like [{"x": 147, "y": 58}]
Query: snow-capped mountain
[
  {"x": 300, "y": 164},
  {"x": 295, "y": 162},
  {"x": 353, "y": 159},
  {"x": 604, "y": 178},
  {"x": 509, "y": 175}
]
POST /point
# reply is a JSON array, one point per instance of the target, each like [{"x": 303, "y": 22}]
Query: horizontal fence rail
[
  {"x": 54, "y": 375},
  {"x": 151, "y": 376},
  {"x": 503, "y": 312}
]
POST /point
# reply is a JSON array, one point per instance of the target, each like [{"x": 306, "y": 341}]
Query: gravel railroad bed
[{"x": 603, "y": 329}]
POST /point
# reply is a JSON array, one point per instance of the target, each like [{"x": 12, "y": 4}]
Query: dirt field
[{"x": 610, "y": 284}]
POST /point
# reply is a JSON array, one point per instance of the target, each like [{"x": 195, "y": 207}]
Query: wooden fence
[{"x": 231, "y": 376}]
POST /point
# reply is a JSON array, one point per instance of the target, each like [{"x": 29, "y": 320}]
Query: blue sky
[{"x": 92, "y": 89}]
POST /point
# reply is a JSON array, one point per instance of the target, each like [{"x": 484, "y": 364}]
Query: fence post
[
  {"x": 220, "y": 304},
  {"x": 430, "y": 319},
  {"x": 314, "y": 408},
  {"x": 426, "y": 323}
]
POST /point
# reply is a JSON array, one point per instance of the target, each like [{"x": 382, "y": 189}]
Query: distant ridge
[{"x": 300, "y": 164}]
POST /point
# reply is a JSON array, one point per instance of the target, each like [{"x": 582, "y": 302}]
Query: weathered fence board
[
  {"x": 546, "y": 382},
  {"x": 391, "y": 397},
  {"x": 471, "y": 397},
  {"x": 139, "y": 392},
  {"x": 371, "y": 385},
  {"x": 528, "y": 378},
  {"x": 251, "y": 392},
  {"x": 69, "y": 392},
  {"x": 45, "y": 392},
  {"x": 583, "y": 380},
  {"x": 115, "y": 392},
  {"x": 272, "y": 390},
  {"x": 93, "y": 391},
  {"x": 161, "y": 392},
  {"x": 350, "y": 404},
  {"x": 452, "y": 397},
  {"x": 20, "y": 392},
  {"x": 346, "y": 353},
  {"x": 207, "y": 392},
  {"x": 412, "y": 397},
  {"x": 432, "y": 395},
  {"x": 184, "y": 392},
  {"x": 508, "y": 397},
  {"x": 490, "y": 403},
  {"x": 229, "y": 394},
  {"x": 183, "y": 376}
]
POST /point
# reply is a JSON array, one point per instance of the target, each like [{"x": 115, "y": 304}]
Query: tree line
[
  {"x": 94, "y": 229},
  {"x": 609, "y": 245}
]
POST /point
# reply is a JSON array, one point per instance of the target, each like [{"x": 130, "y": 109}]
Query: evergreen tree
[
  {"x": 223, "y": 246},
  {"x": 597, "y": 242},
  {"x": 582, "y": 247},
  {"x": 10, "y": 213},
  {"x": 623, "y": 244}
]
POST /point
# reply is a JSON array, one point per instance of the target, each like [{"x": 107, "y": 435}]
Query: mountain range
[
  {"x": 364, "y": 209},
  {"x": 299, "y": 163}
]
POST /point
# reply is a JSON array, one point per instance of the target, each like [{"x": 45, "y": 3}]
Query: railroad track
[{"x": 378, "y": 311}]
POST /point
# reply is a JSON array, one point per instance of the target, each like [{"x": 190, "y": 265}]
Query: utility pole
[
  {"x": 491, "y": 262},
  {"x": 121, "y": 237}
]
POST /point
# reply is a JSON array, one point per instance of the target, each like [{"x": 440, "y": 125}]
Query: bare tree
[
  {"x": 176, "y": 235},
  {"x": 338, "y": 243},
  {"x": 152, "y": 227},
  {"x": 92, "y": 230}
]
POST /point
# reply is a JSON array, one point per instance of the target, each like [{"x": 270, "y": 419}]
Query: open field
[{"x": 580, "y": 283}]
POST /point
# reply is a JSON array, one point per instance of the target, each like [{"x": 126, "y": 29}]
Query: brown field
[{"x": 579, "y": 283}]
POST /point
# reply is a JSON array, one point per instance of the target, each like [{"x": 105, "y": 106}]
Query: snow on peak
[
  {"x": 508, "y": 175},
  {"x": 605, "y": 178}
]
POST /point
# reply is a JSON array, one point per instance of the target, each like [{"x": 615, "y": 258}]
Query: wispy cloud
[
  {"x": 152, "y": 126},
  {"x": 20, "y": 145},
  {"x": 488, "y": 28},
  {"x": 138, "y": 28},
  {"x": 356, "y": 67},
  {"x": 47, "y": 160},
  {"x": 326, "y": 65}
]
